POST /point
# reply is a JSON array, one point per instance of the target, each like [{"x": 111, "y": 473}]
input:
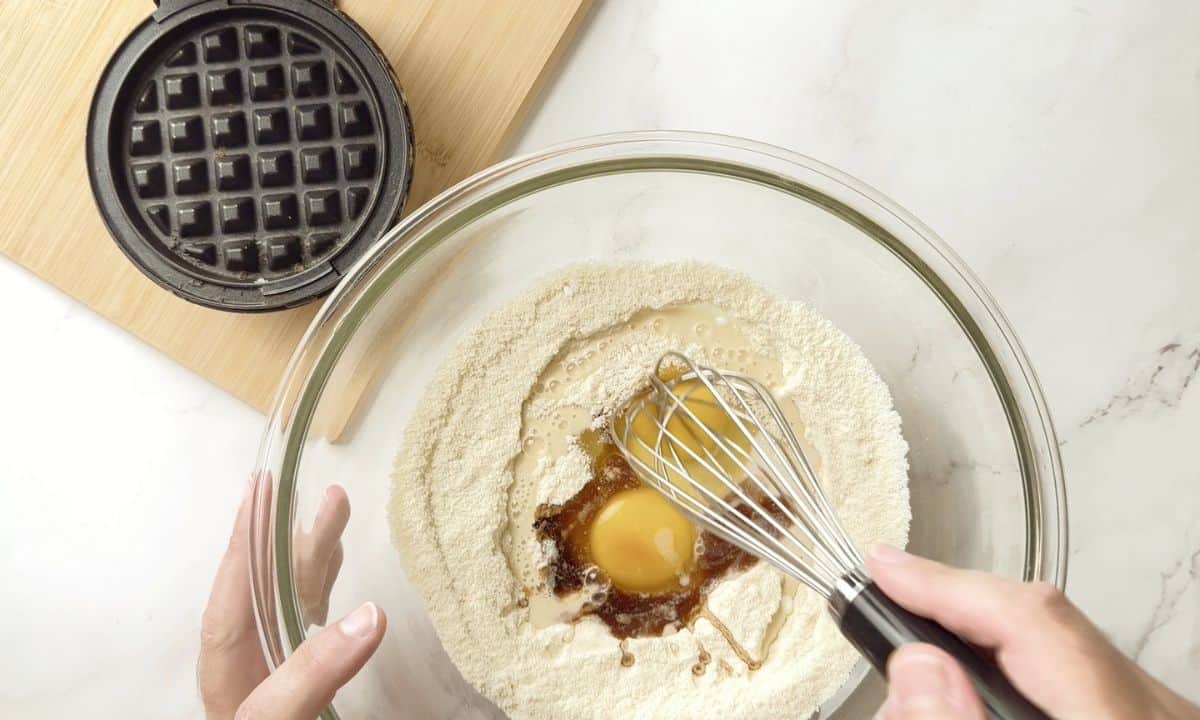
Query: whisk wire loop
[
  {"x": 788, "y": 470},
  {"x": 736, "y": 526},
  {"x": 809, "y": 490},
  {"x": 720, "y": 447},
  {"x": 737, "y": 519},
  {"x": 759, "y": 464},
  {"x": 766, "y": 466}
]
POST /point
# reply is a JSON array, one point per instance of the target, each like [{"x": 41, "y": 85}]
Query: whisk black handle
[{"x": 876, "y": 625}]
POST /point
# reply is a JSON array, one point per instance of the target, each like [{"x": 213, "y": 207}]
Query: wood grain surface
[{"x": 469, "y": 68}]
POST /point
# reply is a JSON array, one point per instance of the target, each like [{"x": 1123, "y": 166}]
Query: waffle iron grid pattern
[{"x": 254, "y": 151}]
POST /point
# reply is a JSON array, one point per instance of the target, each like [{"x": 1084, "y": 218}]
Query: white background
[{"x": 1053, "y": 145}]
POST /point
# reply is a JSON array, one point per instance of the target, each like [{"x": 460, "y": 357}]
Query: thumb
[
  {"x": 924, "y": 683},
  {"x": 306, "y": 682}
]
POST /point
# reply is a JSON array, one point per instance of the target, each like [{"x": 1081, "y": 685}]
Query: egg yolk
[
  {"x": 692, "y": 443},
  {"x": 639, "y": 539},
  {"x": 641, "y": 542}
]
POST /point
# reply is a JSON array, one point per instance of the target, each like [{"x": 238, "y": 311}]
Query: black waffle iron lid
[{"x": 244, "y": 154}]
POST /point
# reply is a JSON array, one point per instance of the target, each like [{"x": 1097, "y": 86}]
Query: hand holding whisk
[{"x": 717, "y": 444}]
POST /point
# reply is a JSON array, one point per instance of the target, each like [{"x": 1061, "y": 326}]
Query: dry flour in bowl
[{"x": 502, "y": 434}]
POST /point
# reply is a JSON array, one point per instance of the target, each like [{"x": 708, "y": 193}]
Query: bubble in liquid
[
  {"x": 552, "y": 385},
  {"x": 702, "y": 329},
  {"x": 718, "y": 353},
  {"x": 528, "y": 442},
  {"x": 657, "y": 325}
]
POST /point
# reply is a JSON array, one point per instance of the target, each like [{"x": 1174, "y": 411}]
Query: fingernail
[
  {"x": 887, "y": 554},
  {"x": 919, "y": 681},
  {"x": 360, "y": 623}
]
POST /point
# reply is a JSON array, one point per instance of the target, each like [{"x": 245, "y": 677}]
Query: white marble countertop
[{"x": 1054, "y": 145}]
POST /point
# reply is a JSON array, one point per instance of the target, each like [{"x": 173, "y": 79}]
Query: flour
[{"x": 497, "y": 434}]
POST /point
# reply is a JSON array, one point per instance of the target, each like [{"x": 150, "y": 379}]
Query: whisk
[{"x": 717, "y": 444}]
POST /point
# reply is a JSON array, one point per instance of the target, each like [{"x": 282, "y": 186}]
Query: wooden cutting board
[{"x": 468, "y": 67}]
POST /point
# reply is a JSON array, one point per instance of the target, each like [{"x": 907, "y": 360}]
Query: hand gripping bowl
[{"x": 986, "y": 480}]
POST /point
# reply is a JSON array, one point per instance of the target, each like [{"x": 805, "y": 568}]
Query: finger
[
  {"x": 924, "y": 683},
  {"x": 262, "y": 572},
  {"x": 1048, "y": 649},
  {"x": 987, "y": 610},
  {"x": 332, "y": 516},
  {"x": 335, "y": 566},
  {"x": 318, "y": 610},
  {"x": 230, "y": 662},
  {"x": 307, "y": 681},
  {"x": 315, "y": 554}
]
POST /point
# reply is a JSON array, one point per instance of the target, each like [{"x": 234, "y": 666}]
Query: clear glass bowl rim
[{"x": 947, "y": 276}]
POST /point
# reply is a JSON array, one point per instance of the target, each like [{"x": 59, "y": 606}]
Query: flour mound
[{"x": 453, "y": 498}]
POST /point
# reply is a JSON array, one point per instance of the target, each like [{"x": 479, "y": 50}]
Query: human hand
[
  {"x": 232, "y": 674},
  {"x": 1048, "y": 649}
]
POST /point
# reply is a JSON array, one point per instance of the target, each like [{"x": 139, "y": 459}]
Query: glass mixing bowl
[{"x": 986, "y": 480}]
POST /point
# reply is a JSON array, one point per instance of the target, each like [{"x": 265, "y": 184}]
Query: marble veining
[
  {"x": 1161, "y": 383},
  {"x": 1174, "y": 583}
]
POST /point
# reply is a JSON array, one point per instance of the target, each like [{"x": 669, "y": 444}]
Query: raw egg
[
  {"x": 688, "y": 443},
  {"x": 641, "y": 542}
]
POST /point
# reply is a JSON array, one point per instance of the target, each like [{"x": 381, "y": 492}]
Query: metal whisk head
[{"x": 717, "y": 443}]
